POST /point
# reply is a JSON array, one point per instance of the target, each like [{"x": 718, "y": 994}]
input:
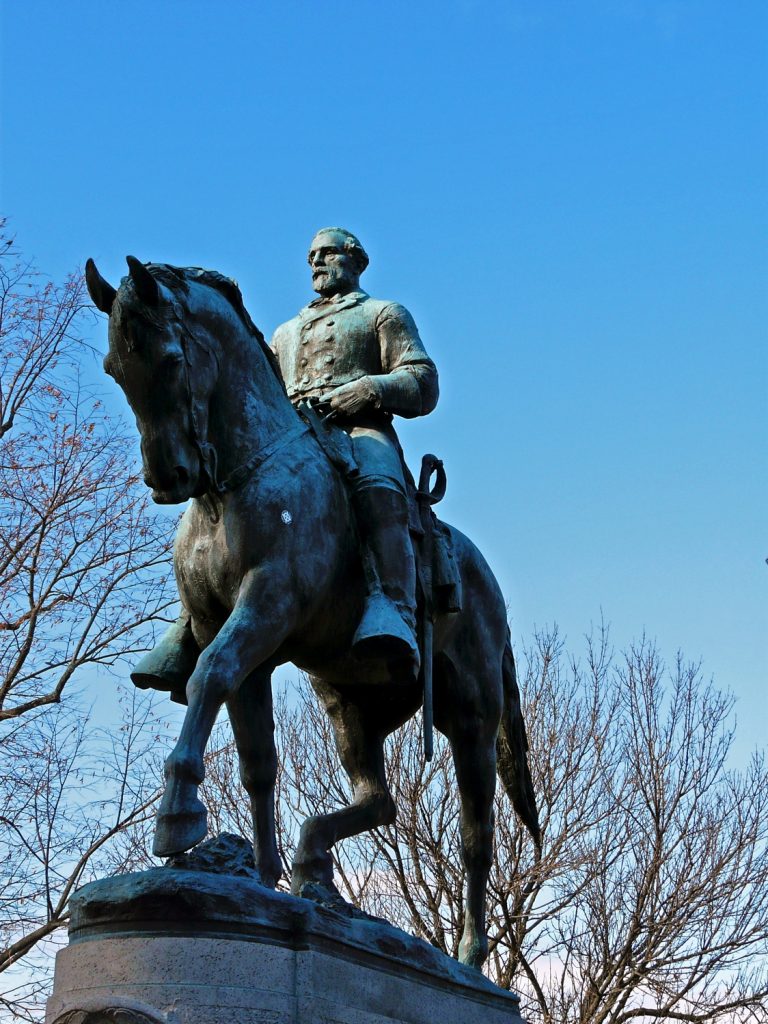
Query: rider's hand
[{"x": 349, "y": 399}]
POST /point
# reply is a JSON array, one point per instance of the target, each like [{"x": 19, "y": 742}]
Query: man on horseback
[
  {"x": 212, "y": 414},
  {"x": 361, "y": 361}
]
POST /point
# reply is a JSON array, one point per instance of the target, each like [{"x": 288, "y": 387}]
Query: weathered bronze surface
[
  {"x": 269, "y": 565},
  {"x": 363, "y": 361}
]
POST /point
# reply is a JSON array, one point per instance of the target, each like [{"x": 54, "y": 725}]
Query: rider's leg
[
  {"x": 169, "y": 665},
  {"x": 388, "y": 625}
]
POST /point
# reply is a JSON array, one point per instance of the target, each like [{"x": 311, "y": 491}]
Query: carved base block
[{"x": 171, "y": 946}]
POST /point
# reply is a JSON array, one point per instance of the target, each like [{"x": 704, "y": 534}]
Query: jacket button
[
  {"x": 330, "y": 323},
  {"x": 304, "y": 362},
  {"x": 329, "y": 359}
]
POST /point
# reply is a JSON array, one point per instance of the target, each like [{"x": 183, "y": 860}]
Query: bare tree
[
  {"x": 84, "y": 567},
  {"x": 84, "y": 578},
  {"x": 650, "y": 901},
  {"x": 67, "y": 790},
  {"x": 673, "y": 923}
]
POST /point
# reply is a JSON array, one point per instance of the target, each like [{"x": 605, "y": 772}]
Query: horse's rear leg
[
  {"x": 476, "y": 774},
  {"x": 471, "y": 726},
  {"x": 360, "y": 743},
  {"x": 250, "y": 712}
]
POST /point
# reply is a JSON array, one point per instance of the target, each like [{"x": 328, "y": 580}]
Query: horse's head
[{"x": 167, "y": 375}]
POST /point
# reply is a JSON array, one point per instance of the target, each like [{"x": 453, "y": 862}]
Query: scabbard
[
  {"x": 428, "y": 713},
  {"x": 426, "y": 498}
]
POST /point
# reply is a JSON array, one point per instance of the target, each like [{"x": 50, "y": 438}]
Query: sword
[{"x": 426, "y": 498}]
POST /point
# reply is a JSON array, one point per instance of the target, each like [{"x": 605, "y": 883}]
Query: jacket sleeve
[{"x": 408, "y": 387}]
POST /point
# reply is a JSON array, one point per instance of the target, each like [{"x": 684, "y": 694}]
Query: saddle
[{"x": 436, "y": 567}]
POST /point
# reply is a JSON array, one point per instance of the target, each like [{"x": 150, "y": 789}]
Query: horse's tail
[{"x": 512, "y": 750}]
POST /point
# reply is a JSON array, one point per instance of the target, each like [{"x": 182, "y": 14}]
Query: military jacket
[{"x": 332, "y": 342}]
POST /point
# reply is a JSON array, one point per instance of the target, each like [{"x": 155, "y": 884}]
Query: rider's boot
[
  {"x": 387, "y": 628},
  {"x": 169, "y": 665}
]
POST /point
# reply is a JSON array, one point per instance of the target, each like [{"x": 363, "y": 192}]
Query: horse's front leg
[
  {"x": 252, "y": 633},
  {"x": 253, "y": 725}
]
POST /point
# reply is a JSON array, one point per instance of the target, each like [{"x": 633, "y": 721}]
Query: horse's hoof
[
  {"x": 270, "y": 874},
  {"x": 176, "y": 833},
  {"x": 317, "y": 871},
  {"x": 329, "y": 897},
  {"x": 473, "y": 952},
  {"x": 325, "y": 895},
  {"x": 312, "y": 864}
]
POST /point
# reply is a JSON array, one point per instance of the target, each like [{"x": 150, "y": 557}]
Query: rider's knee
[
  {"x": 378, "y": 482},
  {"x": 381, "y": 499}
]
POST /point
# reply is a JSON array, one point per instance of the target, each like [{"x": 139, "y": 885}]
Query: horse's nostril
[{"x": 182, "y": 474}]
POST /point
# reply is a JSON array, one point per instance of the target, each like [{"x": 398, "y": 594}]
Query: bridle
[{"x": 206, "y": 450}]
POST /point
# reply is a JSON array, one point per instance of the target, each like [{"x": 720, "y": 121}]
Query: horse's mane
[{"x": 179, "y": 278}]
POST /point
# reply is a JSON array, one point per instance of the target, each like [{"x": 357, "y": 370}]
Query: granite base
[{"x": 170, "y": 946}]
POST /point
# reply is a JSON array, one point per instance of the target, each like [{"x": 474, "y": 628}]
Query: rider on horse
[{"x": 361, "y": 361}]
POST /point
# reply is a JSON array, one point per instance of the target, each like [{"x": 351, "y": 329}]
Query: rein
[
  {"x": 239, "y": 476},
  {"x": 207, "y": 451}
]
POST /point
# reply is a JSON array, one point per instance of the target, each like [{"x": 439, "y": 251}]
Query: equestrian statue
[{"x": 305, "y": 540}]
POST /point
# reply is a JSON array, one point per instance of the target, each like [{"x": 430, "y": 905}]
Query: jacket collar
[{"x": 321, "y": 307}]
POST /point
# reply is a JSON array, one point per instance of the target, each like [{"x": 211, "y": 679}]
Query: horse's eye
[{"x": 171, "y": 363}]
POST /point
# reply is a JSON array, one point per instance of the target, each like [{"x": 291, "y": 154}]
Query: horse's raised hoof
[{"x": 178, "y": 832}]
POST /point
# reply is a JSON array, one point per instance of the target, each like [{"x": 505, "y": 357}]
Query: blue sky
[{"x": 569, "y": 197}]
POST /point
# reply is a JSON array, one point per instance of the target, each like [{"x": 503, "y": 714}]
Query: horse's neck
[{"x": 249, "y": 409}]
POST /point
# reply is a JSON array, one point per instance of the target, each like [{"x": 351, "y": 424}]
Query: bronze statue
[
  {"x": 362, "y": 361},
  {"x": 270, "y": 570}
]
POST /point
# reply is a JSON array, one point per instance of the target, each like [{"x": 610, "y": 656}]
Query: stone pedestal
[{"x": 172, "y": 946}]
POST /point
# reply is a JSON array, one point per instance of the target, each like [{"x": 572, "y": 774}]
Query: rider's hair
[{"x": 351, "y": 245}]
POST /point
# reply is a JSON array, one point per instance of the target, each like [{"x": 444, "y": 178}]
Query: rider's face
[{"x": 334, "y": 270}]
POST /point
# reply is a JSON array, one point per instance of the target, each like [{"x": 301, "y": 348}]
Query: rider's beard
[{"x": 329, "y": 281}]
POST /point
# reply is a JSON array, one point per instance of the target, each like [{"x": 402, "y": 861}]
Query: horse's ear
[
  {"x": 144, "y": 283},
  {"x": 102, "y": 293}
]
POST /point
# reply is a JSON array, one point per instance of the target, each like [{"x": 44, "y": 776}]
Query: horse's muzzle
[{"x": 176, "y": 488}]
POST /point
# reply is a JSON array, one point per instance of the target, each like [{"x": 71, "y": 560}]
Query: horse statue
[{"x": 269, "y": 571}]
